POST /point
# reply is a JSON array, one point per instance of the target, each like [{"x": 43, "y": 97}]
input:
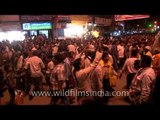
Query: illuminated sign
[
  {"x": 129, "y": 17},
  {"x": 37, "y": 26},
  {"x": 103, "y": 21}
]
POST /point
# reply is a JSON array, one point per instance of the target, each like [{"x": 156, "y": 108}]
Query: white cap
[
  {"x": 34, "y": 49},
  {"x": 148, "y": 48}
]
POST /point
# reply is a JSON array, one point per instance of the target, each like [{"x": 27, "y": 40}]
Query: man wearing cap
[{"x": 148, "y": 51}]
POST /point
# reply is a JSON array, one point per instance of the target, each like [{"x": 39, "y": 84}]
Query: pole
[{"x": 55, "y": 34}]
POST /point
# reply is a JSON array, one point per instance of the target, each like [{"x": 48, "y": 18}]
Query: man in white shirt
[
  {"x": 141, "y": 90},
  {"x": 82, "y": 81},
  {"x": 129, "y": 68},
  {"x": 120, "y": 49},
  {"x": 20, "y": 61},
  {"x": 35, "y": 64},
  {"x": 50, "y": 66},
  {"x": 96, "y": 78}
]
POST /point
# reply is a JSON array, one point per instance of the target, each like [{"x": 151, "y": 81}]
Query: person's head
[
  {"x": 71, "y": 54},
  {"x": 147, "y": 48},
  {"x": 58, "y": 58},
  {"x": 146, "y": 61},
  {"x": 105, "y": 57},
  {"x": 106, "y": 49},
  {"x": 122, "y": 43},
  {"x": 76, "y": 64},
  {"x": 35, "y": 53},
  {"x": 134, "y": 53},
  {"x": 19, "y": 53},
  {"x": 49, "y": 58},
  {"x": 92, "y": 56},
  {"x": 25, "y": 54},
  {"x": 7, "y": 68}
]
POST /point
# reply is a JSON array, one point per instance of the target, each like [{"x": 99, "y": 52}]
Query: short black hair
[
  {"x": 105, "y": 54},
  {"x": 35, "y": 53},
  {"x": 59, "y": 58},
  {"x": 134, "y": 52},
  {"x": 146, "y": 60},
  {"x": 76, "y": 64},
  {"x": 105, "y": 48}
]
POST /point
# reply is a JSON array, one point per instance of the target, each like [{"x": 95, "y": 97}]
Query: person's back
[
  {"x": 58, "y": 77},
  {"x": 36, "y": 65},
  {"x": 96, "y": 79},
  {"x": 130, "y": 65},
  {"x": 156, "y": 59},
  {"x": 120, "y": 51}
]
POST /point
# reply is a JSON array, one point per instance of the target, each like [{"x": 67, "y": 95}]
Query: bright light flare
[
  {"x": 12, "y": 35},
  {"x": 74, "y": 30},
  {"x": 95, "y": 33}
]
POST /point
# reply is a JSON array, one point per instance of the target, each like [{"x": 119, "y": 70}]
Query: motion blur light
[
  {"x": 152, "y": 30},
  {"x": 95, "y": 24},
  {"x": 150, "y": 25},
  {"x": 155, "y": 22},
  {"x": 95, "y": 33},
  {"x": 12, "y": 35},
  {"x": 73, "y": 30},
  {"x": 157, "y": 27},
  {"x": 89, "y": 24}
]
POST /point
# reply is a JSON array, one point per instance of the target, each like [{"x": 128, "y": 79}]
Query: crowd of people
[{"x": 83, "y": 65}]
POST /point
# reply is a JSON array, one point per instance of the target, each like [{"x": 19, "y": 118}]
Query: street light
[{"x": 150, "y": 25}]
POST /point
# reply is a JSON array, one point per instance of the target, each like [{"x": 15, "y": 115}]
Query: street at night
[{"x": 95, "y": 59}]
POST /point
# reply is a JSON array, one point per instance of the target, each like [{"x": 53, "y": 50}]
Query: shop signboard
[
  {"x": 29, "y": 18},
  {"x": 103, "y": 21},
  {"x": 129, "y": 17},
  {"x": 10, "y": 26},
  {"x": 37, "y": 26}
]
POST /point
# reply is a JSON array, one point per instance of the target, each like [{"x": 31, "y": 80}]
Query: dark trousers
[
  {"x": 36, "y": 84},
  {"x": 106, "y": 87},
  {"x": 48, "y": 79},
  {"x": 121, "y": 62},
  {"x": 130, "y": 77},
  {"x": 11, "y": 94},
  {"x": 64, "y": 99},
  {"x": 20, "y": 85}
]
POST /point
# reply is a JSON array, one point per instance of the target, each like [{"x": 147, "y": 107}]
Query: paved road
[
  {"x": 121, "y": 86},
  {"x": 117, "y": 100}
]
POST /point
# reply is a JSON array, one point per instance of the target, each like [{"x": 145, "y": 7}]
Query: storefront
[
  {"x": 10, "y": 28},
  {"x": 77, "y": 27},
  {"x": 37, "y": 24},
  {"x": 37, "y": 28},
  {"x": 61, "y": 24}
]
